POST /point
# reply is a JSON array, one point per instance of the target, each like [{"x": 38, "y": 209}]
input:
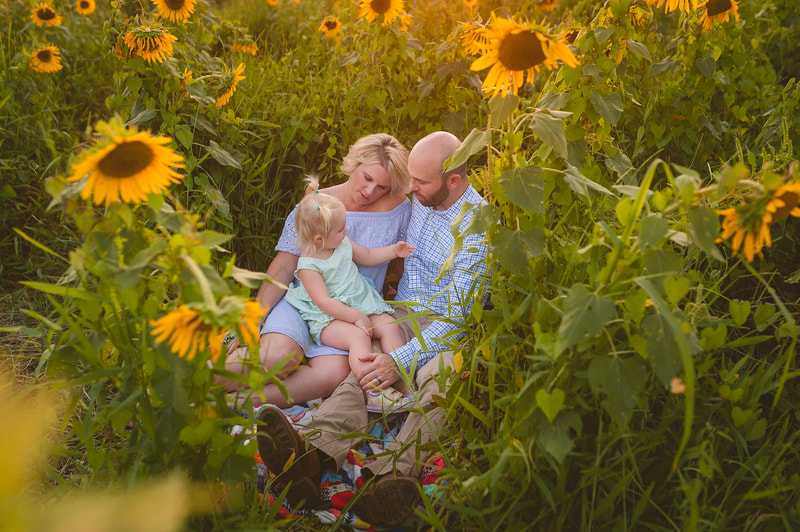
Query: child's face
[{"x": 338, "y": 230}]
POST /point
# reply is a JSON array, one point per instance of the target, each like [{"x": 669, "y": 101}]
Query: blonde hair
[
  {"x": 385, "y": 150},
  {"x": 315, "y": 214}
]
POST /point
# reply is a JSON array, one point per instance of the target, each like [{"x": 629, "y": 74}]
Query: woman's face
[{"x": 368, "y": 183}]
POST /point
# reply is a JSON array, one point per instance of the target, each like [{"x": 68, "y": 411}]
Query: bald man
[{"x": 391, "y": 494}]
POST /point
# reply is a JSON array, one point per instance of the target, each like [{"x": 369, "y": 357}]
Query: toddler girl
[{"x": 342, "y": 307}]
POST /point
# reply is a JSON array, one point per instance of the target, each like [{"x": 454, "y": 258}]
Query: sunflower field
[{"x": 636, "y": 368}]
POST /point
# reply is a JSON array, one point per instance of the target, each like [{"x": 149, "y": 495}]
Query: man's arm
[{"x": 469, "y": 261}]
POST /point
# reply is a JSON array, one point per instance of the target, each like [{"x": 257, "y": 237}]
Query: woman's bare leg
[
  {"x": 274, "y": 348},
  {"x": 317, "y": 379}
]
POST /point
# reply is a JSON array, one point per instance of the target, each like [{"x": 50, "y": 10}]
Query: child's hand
[
  {"x": 403, "y": 249},
  {"x": 364, "y": 324}
]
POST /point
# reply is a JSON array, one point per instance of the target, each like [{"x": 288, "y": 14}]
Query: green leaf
[
  {"x": 740, "y": 417},
  {"x": 609, "y": 107},
  {"x": 555, "y": 438},
  {"x": 475, "y": 142},
  {"x": 550, "y": 403},
  {"x": 662, "y": 349},
  {"x": 704, "y": 230},
  {"x": 764, "y": 312},
  {"x": 197, "y": 434},
  {"x": 621, "y": 380},
  {"x": 501, "y": 109},
  {"x": 585, "y": 314},
  {"x": 676, "y": 288},
  {"x": 184, "y": 135},
  {"x": 624, "y": 211},
  {"x": 635, "y": 302},
  {"x": 739, "y": 311},
  {"x": 665, "y": 65},
  {"x": 551, "y": 131},
  {"x": 506, "y": 246},
  {"x": 74, "y": 293},
  {"x": 524, "y": 187},
  {"x": 654, "y": 229},
  {"x": 144, "y": 116},
  {"x": 661, "y": 261},
  {"x": 707, "y": 66},
  {"x": 581, "y": 184},
  {"x": 639, "y": 49},
  {"x": 602, "y": 34},
  {"x": 222, "y": 156}
]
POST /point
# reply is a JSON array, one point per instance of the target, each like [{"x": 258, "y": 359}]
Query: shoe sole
[
  {"x": 279, "y": 444},
  {"x": 389, "y": 503}
]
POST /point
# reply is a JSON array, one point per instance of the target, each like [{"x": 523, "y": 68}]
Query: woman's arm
[
  {"x": 315, "y": 286},
  {"x": 281, "y": 269},
  {"x": 375, "y": 256}
]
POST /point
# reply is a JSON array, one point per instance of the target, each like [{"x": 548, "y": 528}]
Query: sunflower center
[
  {"x": 717, "y": 7},
  {"x": 126, "y": 159},
  {"x": 46, "y": 13},
  {"x": 381, "y": 6},
  {"x": 521, "y": 51},
  {"x": 84, "y": 4},
  {"x": 175, "y": 5},
  {"x": 330, "y": 24},
  {"x": 44, "y": 56},
  {"x": 790, "y": 200}
]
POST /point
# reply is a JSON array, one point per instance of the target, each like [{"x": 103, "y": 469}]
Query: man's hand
[{"x": 378, "y": 371}]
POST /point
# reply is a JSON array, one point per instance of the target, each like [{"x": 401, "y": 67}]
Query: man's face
[{"x": 429, "y": 187}]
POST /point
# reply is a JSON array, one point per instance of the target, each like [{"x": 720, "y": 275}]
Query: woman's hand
[
  {"x": 378, "y": 371},
  {"x": 403, "y": 249}
]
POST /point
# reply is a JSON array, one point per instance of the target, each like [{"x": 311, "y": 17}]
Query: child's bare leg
[
  {"x": 391, "y": 337},
  {"x": 347, "y": 337},
  {"x": 388, "y": 331}
]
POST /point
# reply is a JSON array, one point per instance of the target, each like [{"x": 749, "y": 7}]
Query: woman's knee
[{"x": 280, "y": 350}]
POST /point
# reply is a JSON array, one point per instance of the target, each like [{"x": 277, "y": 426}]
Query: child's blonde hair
[{"x": 314, "y": 215}]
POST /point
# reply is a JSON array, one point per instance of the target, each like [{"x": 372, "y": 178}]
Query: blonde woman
[{"x": 378, "y": 211}]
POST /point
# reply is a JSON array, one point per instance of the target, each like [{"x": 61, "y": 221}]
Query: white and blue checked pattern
[{"x": 430, "y": 233}]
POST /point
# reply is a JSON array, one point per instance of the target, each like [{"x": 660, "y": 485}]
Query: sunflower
[
  {"x": 43, "y": 15},
  {"x": 127, "y": 168},
  {"x": 748, "y": 224},
  {"x": 235, "y": 78},
  {"x": 686, "y": 6},
  {"x": 85, "y": 7},
  {"x": 188, "y": 332},
  {"x": 471, "y": 4},
  {"x": 249, "y": 48},
  {"x": 719, "y": 11},
  {"x": 331, "y": 27},
  {"x": 175, "y": 10},
  {"x": 46, "y": 59},
  {"x": 372, "y": 9},
  {"x": 474, "y": 38},
  {"x": 514, "y": 49},
  {"x": 273, "y": 2},
  {"x": 153, "y": 43}
]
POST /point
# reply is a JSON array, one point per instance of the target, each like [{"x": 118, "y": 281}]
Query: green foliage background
[{"x": 602, "y": 182}]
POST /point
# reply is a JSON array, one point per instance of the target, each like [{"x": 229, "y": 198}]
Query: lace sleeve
[{"x": 288, "y": 241}]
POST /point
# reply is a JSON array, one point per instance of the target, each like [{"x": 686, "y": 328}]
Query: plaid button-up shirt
[{"x": 448, "y": 293}]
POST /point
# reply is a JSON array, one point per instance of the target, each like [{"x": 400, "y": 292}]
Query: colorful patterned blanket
[{"x": 336, "y": 490}]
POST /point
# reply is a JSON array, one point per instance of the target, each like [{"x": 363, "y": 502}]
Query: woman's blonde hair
[
  {"x": 385, "y": 150},
  {"x": 314, "y": 215}
]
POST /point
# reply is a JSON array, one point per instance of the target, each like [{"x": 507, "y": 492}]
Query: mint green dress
[{"x": 344, "y": 284}]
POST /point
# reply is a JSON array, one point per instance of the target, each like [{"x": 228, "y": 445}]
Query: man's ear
[{"x": 453, "y": 180}]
